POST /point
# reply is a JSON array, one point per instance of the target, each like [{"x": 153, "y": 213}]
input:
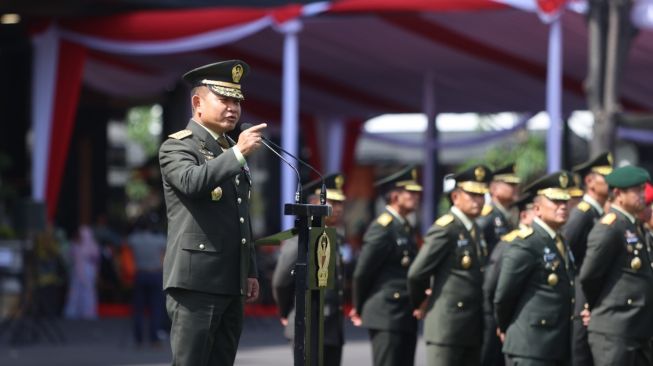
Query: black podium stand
[{"x": 309, "y": 317}]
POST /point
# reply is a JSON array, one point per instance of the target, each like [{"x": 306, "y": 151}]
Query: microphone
[
  {"x": 266, "y": 141},
  {"x": 298, "y": 191}
]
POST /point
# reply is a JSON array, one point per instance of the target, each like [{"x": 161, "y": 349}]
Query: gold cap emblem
[
  {"x": 413, "y": 174},
  {"x": 237, "y": 73},
  {"x": 340, "y": 181},
  {"x": 216, "y": 194},
  {"x": 466, "y": 261},
  {"x": 552, "y": 280},
  {"x": 610, "y": 158},
  {"x": 564, "y": 180},
  {"x": 479, "y": 173}
]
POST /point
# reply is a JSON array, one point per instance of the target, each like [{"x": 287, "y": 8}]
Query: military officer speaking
[
  {"x": 617, "y": 277},
  {"x": 283, "y": 282},
  {"x": 450, "y": 264},
  {"x": 209, "y": 266},
  {"x": 581, "y": 220},
  {"x": 535, "y": 293},
  {"x": 380, "y": 295}
]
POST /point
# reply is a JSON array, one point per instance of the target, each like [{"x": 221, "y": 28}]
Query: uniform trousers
[
  {"x": 449, "y": 355},
  {"x": 609, "y": 350},
  {"x": 580, "y": 348},
  {"x": 525, "y": 361},
  {"x": 205, "y": 327},
  {"x": 393, "y": 348},
  {"x": 491, "y": 354},
  {"x": 332, "y": 355}
]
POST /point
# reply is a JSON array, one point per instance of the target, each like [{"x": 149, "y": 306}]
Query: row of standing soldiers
[{"x": 570, "y": 284}]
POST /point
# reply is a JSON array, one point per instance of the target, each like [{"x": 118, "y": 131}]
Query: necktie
[
  {"x": 222, "y": 141},
  {"x": 561, "y": 247}
]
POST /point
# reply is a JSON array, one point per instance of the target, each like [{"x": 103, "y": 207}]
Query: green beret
[{"x": 627, "y": 176}]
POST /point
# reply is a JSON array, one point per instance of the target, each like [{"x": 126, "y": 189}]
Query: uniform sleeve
[
  {"x": 373, "y": 253},
  {"x": 601, "y": 251},
  {"x": 180, "y": 168},
  {"x": 253, "y": 268},
  {"x": 517, "y": 263},
  {"x": 575, "y": 230},
  {"x": 491, "y": 278},
  {"x": 434, "y": 250},
  {"x": 283, "y": 285}
]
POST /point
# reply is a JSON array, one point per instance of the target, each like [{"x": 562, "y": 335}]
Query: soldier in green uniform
[
  {"x": 534, "y": 298},
  {"x": 617, "y": 277},
  {"x": 209, "y": 269},
  {"x": 283, "y": 282},
  {"x": 380, "y": 295},
  {"x": 491, "y": 276},
  {"x": 495, "y": 222},
  {"x": 581, "y": 220},
  {"x": 450, "y": 265}
]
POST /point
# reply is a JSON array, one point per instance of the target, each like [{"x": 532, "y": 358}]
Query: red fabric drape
[{"x": 70, "y": 69}]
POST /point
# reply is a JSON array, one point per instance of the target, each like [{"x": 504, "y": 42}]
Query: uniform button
[
  {"x": 396, "y": 295},
  {"x": 573, "y": 301},
  {"x": 243, "y": 240},
  {"x": 237, "y": 182},
  {"x": 573, "y": 317},
  {"x": 543, "y": 321},
  {"x": 630, "y": 301},
  {"x": 201, "y": 246},
  {"x": 242, "y": 292},
  {"x": 242, "y": 220},
  {"x": 460, "y": 304},
  {"x": 240, "y": 200},
  {"x": 571, "y": 283}
]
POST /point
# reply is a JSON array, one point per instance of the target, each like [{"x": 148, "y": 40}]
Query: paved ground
[{"x": 108, "y": 342}]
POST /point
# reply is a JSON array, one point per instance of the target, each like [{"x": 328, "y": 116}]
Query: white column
[
  {"x": 44, "y": 77},
  {"x": 554, "y": 97},
  {"x": 289, "y": 113},
  {"x": 430, "y": 164}
]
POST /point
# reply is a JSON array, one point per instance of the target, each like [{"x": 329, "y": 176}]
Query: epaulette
[
  {"x": 510, "y": 236},
  {"x": 525, "y": 232},
  {"x": 609, "y": 218},
  {"x": 181, "y": 134},
  {"x": 584, "y": 206},
  {"x": 444, "y": 220},
  {"x": 385, "y": 219},
  {"x": 487, "y": 209}
]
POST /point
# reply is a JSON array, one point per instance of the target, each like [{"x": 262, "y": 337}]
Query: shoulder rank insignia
[
  {"x": 583, "y": 206},
  {"x": 444, "y": 220},
  {"x": 525, "y": 232},
  {"x": 487, "y": 209},
  {"x": 181, "y": 134},
  {"x": 511, "y": 236},
  {"x": 609, "y": 218},
  {"x": 385, "y": 219}
]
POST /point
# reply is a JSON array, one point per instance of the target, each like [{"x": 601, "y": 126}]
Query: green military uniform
[
  {"x": 380, "y": 295},
  {"x": 451, "y": 263},
  {"x": 581, "y": 220},
  {"x": 209, "y": 254},
  {"x": 617, "y": 280},
  {"x": 491, "y": 352},
  {"x": 535, "y": 292},
  {"x": 283, "y": 283}
]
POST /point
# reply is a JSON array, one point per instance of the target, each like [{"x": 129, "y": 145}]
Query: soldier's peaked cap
[
  {"x": 223, "y": 78},
  {"x": 333, "y": 182},
  {"x": 627, "y": 176},
  {"x": 406, "y": 179},
  {"x": 601, "y": 164},
  {"x": 506, "y": 174},
  {"x": 474, "y": 179},
  {"x": 554, "y": 186}
]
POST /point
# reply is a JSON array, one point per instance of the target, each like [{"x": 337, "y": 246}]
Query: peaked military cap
[
  {"x": 575, "y": 189},
  {"x": 524, "y": 202},
  {"x": 223, "y": 78},
  {"x": 506, "y": 174},
  {"x": 601, "y": 164},
  {"x": 333, "y": 183},
  {"x": 405, "y": 179},
  {"x": 553, "y": 186},
  {"x": 474, "y": 179},
  {"x": 627, "y": 176}
]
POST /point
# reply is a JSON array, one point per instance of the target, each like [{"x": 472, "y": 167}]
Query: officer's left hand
[
  {"x": 585, "y": 315},
  {"x": 252, "y": 290}
]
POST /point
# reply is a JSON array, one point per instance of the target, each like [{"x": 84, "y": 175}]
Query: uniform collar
[
  {"x": 211, "y": 132},
  {"x": 587, "y": 198},
  {"x": 396, "y": 214},
  {"x": 552, "y": 233},
  {"x": 462, "y": 217},
  {"x": 501, "y": 208},
  {"x": 630, "y": 217}
]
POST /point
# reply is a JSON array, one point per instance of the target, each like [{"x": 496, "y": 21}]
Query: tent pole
[
  {"x": 289, "y": 113},
  {"x": 430, "y": 194},
  {"x": 554, "y": 97}
]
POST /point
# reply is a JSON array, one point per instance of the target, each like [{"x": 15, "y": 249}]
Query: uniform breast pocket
[
  {"x": 200, "y": 243},
  {"x": 543, "y": 320}
]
